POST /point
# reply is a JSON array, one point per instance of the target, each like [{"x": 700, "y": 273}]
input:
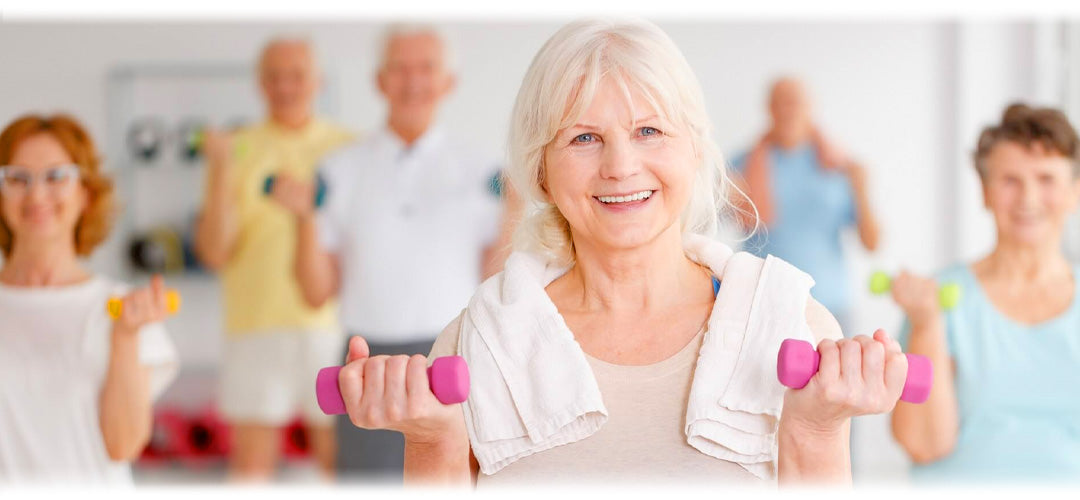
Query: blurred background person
[
  {"x": 274, "y": 341},
  {"x": 76, "y": 387},
  {"x": 806, "y": 191},
  {"x": 1004, "y": 405},
  {"x": 407, "y": 231}
]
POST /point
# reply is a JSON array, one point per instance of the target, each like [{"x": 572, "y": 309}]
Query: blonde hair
[{"x": 559, "y": 86}]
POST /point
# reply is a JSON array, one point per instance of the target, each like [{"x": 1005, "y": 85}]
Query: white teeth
[{"x": 624, "y": 199}]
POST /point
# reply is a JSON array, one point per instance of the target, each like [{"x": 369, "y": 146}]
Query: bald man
[
  {"x": 806, "y": 192},
  {"x": 275, "y": 341}
]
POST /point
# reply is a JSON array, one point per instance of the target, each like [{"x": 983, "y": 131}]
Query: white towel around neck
[{"x": 533, "y": 389}]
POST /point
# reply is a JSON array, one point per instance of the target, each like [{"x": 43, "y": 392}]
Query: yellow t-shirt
[{"x": 258, "y": 285}]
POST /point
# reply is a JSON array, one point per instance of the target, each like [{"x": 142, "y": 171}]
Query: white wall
[{"x": 898, "y": 95}]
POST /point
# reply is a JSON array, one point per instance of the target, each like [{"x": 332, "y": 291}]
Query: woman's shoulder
[
  {"x": 446, "y": 344},
  {"x": 955, "y": 273}
]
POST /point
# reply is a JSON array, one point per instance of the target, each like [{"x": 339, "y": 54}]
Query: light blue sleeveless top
[{"x": 1018, "y": 389}]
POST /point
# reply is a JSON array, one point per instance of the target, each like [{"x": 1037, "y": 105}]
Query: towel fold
[
  {"x": 735, "y": 399},
  {"x": 533, "y": 389}
]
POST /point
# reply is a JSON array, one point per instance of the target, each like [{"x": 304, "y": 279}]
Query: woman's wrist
[
  {"x": 811, "y": 452},
  {"x": 931, "y": 321},
  {"x": 799, "y": 427},
  {"x": 123, "y": 333}
]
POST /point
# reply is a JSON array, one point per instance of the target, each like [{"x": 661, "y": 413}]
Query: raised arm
[
  {"x": 316, "y": 270},
  {"x": 926, "y": 431},
  {"x": 856, "y": 376},
  {"x": 217, "y": 227}
]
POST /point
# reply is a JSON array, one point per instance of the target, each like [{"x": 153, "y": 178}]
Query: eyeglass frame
[{"x": 74, "y": 174}]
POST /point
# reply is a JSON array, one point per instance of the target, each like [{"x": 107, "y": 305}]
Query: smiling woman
[
  {"x": 607, "y": 349},
  {"x": 76, "y": 388},
  {"x": 95, "y": 213},
  {"x": 663, "y": 115},
  {"x": 1004, "y": 406}
]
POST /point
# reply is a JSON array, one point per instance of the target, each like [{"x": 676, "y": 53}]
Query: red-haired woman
[{"x": 76, "y": 387}]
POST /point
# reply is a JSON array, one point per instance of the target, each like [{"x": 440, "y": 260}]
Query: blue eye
[
  {"x": 649, "y": 131},
  {"x": 585, "y": 138}
]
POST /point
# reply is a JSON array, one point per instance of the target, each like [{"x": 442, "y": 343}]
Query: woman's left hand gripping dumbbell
[
  {"x": 142, "y": 306},
  {"x": 856, "y": 376},
  {"x": 393, "y": 392}
]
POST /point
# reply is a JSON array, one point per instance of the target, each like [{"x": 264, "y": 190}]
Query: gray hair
[
  {"x": 399, "y": 30},
  {"x": 558, "y": 87}
]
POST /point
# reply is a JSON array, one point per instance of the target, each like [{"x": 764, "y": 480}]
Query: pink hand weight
[
  {"x": 448, "y": 377},
  {"x": 797, "y": 363}
]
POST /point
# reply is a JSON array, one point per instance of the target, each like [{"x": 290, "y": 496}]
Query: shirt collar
[{"x": 430, "y": 139}]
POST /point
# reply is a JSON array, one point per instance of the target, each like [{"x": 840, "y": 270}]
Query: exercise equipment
[
  {"x": 295, "y": 442},
  {"x": 320, "y": 188},
  {"x": 949, "y": 294},
  {"x": 495, "y": 184},
  {"x": 205, "y": 438},
  {"x": 448, "y": 377},
  {"x": 192, "y": 135},
  {"x": 146, "y": 139},
  {"x": 115, "y": 305},
  {"x": 159, "y": 250},
  {"x": 797, "y": 362}
]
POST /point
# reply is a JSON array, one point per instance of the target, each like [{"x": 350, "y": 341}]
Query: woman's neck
[
  {"x": 1014, "y": 262},
  {"x": 654, "y": 276},
  {"x": 42, "y": 265}
]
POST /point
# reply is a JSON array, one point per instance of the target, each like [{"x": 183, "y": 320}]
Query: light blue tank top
[{"x": 1018, "y": 389}]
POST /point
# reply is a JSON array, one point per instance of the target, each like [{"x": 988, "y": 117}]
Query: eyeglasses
[{"x": 17, "y": 181}]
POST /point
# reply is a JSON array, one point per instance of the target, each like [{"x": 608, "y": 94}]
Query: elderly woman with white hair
[{"x": 621, "y": 341}]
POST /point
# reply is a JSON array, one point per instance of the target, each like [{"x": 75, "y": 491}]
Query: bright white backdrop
[{"x": 907, "y": 98}]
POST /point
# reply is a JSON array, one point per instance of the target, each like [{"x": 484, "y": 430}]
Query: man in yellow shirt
[{"x": 274, "y": 341}]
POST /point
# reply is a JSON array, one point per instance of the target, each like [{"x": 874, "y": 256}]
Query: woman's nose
[{"x": 618, "y": 160}]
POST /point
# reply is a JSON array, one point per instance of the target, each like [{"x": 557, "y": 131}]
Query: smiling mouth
[{"x": 630, "y": 198}]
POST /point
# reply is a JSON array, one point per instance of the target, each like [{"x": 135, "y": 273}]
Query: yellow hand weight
[{"x": 115, "y": 304}]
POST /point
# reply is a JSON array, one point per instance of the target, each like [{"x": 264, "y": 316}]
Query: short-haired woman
[{"x": 1004, "y": 405}]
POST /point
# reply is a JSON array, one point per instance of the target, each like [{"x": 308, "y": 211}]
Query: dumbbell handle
[
  {"x": 115, "y": 305},
  {"x": 320, "y": 188},
  {"x": 448, "y": 378},
  {"x": 797, "y": 362},
  {"x": 948, "y": 293}
]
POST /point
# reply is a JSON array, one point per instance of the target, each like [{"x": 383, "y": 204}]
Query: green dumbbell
[{"x": 948, "y": 294}]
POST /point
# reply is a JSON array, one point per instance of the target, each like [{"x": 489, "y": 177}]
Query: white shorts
[{"x": 269, "y": 377}]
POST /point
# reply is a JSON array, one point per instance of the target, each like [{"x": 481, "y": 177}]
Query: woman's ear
[
  {"x": 1075, "y": 193},
  {"x": 541, "y": 181}
]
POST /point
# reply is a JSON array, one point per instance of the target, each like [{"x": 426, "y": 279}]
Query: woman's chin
[
  {"x": 631, "y": 238},
  {"x": 1029, "y": 235},
  {"x": 41, "y": 232}
]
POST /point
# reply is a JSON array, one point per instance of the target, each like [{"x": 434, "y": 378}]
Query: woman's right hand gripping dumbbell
[
  {"x": 918, "y": 297},
  {"x": 393, "y": 392}
]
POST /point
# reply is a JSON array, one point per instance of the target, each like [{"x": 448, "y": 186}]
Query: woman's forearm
[
  {"x": 928, "y": 431},
  {"x": 125, "y": 408},
  {"x": 443, "y": 463},
  {"x": 808, "y": 455},
  {"x": 316, "y": 270}
]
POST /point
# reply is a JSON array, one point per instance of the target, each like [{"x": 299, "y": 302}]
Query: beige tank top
[{"x": 643, "y": 439}]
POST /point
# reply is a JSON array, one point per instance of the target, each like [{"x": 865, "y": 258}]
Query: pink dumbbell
[
  {"x": 448, "y": 377},
  {"x": 797, "y": 363}
]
